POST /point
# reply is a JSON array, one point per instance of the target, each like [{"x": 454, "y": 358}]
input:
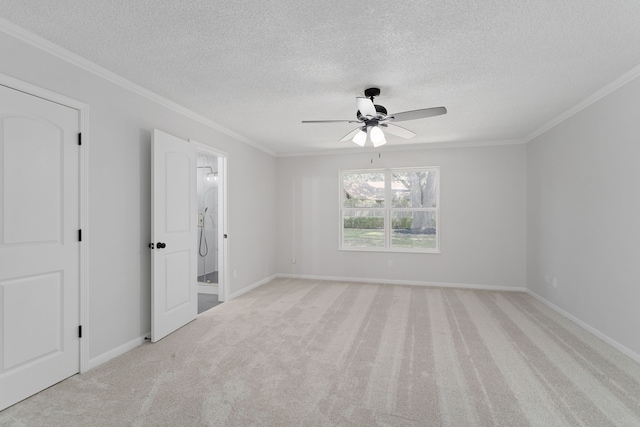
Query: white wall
[
  {"x": 580, "y": 214},
  {"x": 119, "y": 200},
  {"x": 482, "y": 199},
  {"x": 584, "y": 215}
]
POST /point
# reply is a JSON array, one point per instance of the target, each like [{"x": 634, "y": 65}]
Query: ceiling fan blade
[
  {"x": 366, "y": 107},
  {"x": 351, "y": 134},
  {"x": 398, "y": 131},
  {"x": 330, "y": 121},
  {"x": 418, "y": 114}
]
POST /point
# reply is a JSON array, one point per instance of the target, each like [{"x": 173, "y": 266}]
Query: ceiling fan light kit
[
  {"x": 360, "y": 137},
  {"x": 375, "y": 119},
  {"x": 377, "y": 136}
]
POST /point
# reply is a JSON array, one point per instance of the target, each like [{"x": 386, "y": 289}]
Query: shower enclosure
[{"x": 207, "y": 187}]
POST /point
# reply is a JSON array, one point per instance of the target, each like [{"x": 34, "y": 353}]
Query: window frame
[{"x": 388, "y": 210}]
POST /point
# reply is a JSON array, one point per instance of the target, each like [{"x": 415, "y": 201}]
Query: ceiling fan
[{"x": 374, "y": 119}]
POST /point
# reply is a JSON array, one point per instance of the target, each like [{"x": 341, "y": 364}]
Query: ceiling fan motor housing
[{"x": 372, "y": 91}]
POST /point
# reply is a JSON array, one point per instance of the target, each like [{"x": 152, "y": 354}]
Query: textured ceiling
[{"x": 502, "y": 68}]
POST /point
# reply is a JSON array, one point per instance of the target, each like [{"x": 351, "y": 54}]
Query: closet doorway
[{"x": 211, "y": 236}]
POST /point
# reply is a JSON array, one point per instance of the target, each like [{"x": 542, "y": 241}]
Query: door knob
[{"x": 161, "y": 245}]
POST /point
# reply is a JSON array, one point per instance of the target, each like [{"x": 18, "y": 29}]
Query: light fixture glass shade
[
  {"x": 377, "y": 136},
  {"x": 360, "y": 138}
]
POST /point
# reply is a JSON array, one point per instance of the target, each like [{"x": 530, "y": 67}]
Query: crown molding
[
  {"x": 45, "y": 45},
  {"x": 611, "y": 87},
  {"x": 38, "y": 42}
]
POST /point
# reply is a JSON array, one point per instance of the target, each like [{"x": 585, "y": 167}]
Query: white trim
[
  {"x": 83, "y": 217},
  {"x": 604, "y": 337},
  {"x": 40, "y": 92},
  {"x": 393, "y": 251},
  {"x": 611, "y": 87},
  {"x": 251, "y": 287},
  {"x": 208, "y": 148},
  {"x": 55, "y": 50},
  {"x": 86, "y": 238},
  {"x": 118, "y": 351},
  {"x": 404, "y": 282},
  {"x": 225, "y": 277}
]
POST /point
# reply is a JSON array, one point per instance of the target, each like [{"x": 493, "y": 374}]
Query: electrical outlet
[
  {"x": 555, "y": 282},
  {"x": 293, "y": 260},
  {"x": 390, "y": 263}
]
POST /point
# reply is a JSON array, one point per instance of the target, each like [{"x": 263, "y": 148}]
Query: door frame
[
  {"x": 223, "y": 255},
  {"x": 83, "y": 180}
]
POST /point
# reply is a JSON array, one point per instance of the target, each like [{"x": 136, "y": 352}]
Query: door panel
[
  {"x": 26, "y": 300},
  {"x": 174, "y": 291},
  {"x": 33, "y": 165},
  {"x": 177, "y": 296},
  {"x": 178, "y": 171},
  {"x": 39, "y": 249}
]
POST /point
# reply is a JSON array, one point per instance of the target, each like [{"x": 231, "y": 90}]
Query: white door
[
  {"x": 174, "y": 291},
  {"x": 39, "y": 247}
]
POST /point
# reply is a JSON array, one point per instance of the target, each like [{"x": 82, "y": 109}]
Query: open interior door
[{"x": 174, "y": 291}]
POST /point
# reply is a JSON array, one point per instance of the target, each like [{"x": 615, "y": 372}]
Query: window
[{"x": 390, "y": 210}]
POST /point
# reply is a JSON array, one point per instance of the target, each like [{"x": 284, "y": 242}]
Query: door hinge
[
  {"x": 80, "y": 331},
  {"x": 79, "y": 235},
  {"x": 79, "y": 139}
]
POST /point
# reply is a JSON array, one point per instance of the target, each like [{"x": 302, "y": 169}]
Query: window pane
[
  {"x": 363, "y": 229},
  {"x": 363, "y": 190},
  {"x": 413, "y": 229},
  {"x": 414, "y": 189}
]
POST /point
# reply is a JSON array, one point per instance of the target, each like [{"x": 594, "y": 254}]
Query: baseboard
[
  {"x": 105, "y": 357},
  {"x": 406, "y": 282},
  {"x": 208, "y": 289},
  {"x": 251, "y": 287},
  {"x": 604, "y": 337}
]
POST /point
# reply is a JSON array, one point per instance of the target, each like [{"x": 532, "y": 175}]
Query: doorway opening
[
  {"x": 207, "y": 183},
  {"x": 210, "y": 250}
]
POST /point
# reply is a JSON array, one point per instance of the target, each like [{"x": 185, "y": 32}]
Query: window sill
[{"x": 395, "y": 251}]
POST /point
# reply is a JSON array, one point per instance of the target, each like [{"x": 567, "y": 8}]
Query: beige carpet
[{"x": 296, "y": 352}]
